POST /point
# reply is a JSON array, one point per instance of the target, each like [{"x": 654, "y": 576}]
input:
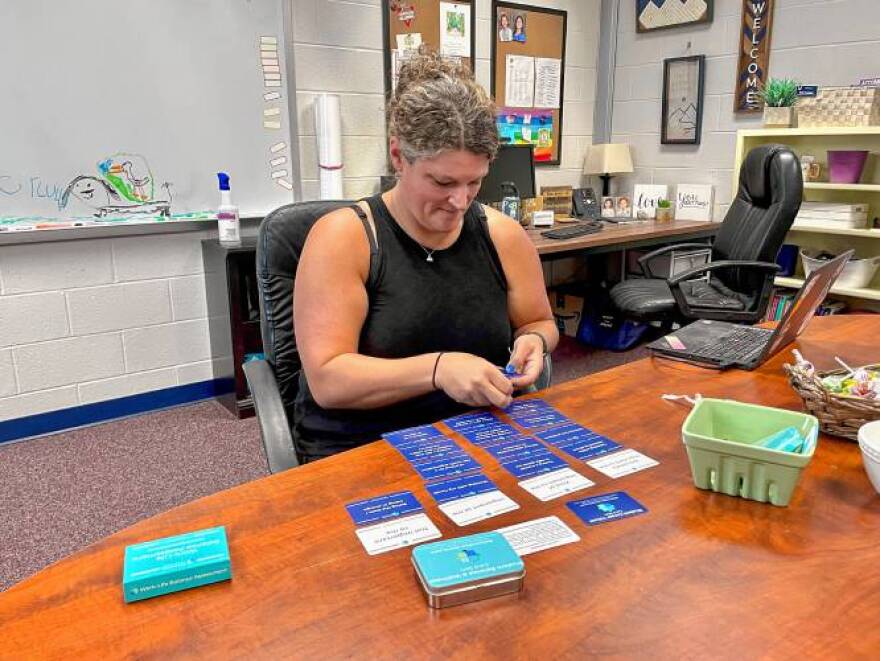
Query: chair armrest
[
  {"x": 644, "y": 260},
  {"x": 723, "y": 264},
  {"x": 675, "y": 281},
  {"x": 274, "y": 426}
]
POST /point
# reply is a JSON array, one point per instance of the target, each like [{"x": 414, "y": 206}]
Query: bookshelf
[{"x": 816, "y": 142}]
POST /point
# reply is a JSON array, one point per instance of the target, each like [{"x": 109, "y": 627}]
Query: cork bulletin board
[
  {"x": 448, "y": 27},
  {"x": 528, "y": 67}
]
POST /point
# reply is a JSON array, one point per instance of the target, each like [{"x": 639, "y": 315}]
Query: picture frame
[
  {"x": 682, "y": 100},
  {"x": 654, "y": 15}
]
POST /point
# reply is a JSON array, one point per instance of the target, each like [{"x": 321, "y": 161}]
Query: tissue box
[
  {"x": 457, "y": 571},
  {"x": 175, "y": 563}
]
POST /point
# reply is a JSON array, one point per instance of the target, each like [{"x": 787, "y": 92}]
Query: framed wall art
[
  {"x": 682, "y": 106},
  {"x": 659, "y": 14}
]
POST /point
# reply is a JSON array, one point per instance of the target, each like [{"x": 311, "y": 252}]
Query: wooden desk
[
  {"x": 617, "y": 237},
  {"x": 699, "y": 575}
]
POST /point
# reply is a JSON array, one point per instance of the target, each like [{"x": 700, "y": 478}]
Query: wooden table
[
  {"x": 625, "y": 235},
  {"x": 701, "y": 575}
]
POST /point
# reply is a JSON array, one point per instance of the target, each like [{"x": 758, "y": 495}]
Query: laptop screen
[{"x": 810, "y": 296}]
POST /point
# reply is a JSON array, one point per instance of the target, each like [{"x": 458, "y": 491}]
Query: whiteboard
[{"x": 125, "y": 110}]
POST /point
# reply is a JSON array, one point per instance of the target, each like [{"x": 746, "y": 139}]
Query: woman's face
[
  {"x": 437, "y": 191},
  {"x": 519, "y": 23},
  {"x": 505, "y": 22}
]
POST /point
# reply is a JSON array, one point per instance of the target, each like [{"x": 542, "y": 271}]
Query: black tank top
[{"x": 455, "y": 302}]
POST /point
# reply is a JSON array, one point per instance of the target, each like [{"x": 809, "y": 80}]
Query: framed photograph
[
  {"x": 660, "y": 14},
  {"x": 609, "y": 207},
  {"x": 682, "y": 119}
]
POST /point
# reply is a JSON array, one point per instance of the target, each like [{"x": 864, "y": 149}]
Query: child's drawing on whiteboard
[{"x": 125, "y": 186}]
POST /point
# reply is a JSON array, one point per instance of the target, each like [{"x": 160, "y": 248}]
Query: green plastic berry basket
[{"x": 720, "y": 437}]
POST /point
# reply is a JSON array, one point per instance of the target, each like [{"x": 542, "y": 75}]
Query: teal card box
[
  {"x": 457, "y": 571},
  {"x": 175, "y": 563}
]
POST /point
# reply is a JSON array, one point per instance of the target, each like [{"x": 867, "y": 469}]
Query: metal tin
[{"x": 468, "y": 592}]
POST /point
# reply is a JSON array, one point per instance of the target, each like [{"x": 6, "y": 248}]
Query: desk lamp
[{"x": 608, "y": 159}]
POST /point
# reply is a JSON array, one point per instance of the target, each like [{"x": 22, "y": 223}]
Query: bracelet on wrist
[
  {"x": 434, "y": 373},
  {"x": 543, "y": 341}
]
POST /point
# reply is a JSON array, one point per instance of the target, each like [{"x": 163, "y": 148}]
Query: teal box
[
  {"x": 457, "y": 571},
  {"x": 171, "y": 564}
]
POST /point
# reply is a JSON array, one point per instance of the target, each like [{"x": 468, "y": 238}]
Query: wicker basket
[{"x": 838, "y": 415}]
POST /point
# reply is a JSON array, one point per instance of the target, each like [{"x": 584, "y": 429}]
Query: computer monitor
[{"x": 513, "y": 163}]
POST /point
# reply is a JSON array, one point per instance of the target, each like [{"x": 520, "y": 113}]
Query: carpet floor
[{"x": 63, "y": 492}]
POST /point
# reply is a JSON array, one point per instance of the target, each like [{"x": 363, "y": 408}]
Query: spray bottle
[{"x": 227, "y": 215}]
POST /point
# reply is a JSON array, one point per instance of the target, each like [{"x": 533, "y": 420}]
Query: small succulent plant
[
  {"x": 780, "y": 92},
  {"x": 664, "y": 204}
]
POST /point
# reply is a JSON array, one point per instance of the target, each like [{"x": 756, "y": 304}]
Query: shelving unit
[{"x": 816, "y": 142}]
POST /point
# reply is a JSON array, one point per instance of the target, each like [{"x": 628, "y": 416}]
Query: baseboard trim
[{"x": 122, "y": 407}]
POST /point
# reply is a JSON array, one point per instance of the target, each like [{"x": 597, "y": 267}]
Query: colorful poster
[
  {"x": 519, "y": 127},
  {"x": 455, "y": 29}
]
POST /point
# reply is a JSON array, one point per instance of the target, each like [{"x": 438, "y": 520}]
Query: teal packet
[
  {"x": 465, "y": 569},
  {"x": 785, "y": 440},
  {"x": 171, "y": 564}
]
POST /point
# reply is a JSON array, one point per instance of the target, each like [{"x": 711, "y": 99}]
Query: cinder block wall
[
  {"x": 338, "y": 49},
  {"x": 823, "y": 42}
]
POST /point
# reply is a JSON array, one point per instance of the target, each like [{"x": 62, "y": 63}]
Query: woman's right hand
[{"x": 473, "y": 381}]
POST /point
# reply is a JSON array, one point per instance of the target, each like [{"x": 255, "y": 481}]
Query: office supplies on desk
[
  {"x": 721, "y": 344},
  {"x": 543, "y": 218},
  {"x": 573, "y": 231}
]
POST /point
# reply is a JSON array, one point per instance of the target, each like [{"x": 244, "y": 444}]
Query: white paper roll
[{"x": 328, "y": 127}]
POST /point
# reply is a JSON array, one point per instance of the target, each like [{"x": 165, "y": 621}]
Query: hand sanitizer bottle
[{"x": 227, "y": 215}]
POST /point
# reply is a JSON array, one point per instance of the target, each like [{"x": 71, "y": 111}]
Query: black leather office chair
[
  {"x": 742, "y": 264},
  {"x": 274, "y": 382}
]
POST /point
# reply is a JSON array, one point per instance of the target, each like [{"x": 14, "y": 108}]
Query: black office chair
[
  {"x": 274, "y": 382},
  {"x": 742, "y": 265}
]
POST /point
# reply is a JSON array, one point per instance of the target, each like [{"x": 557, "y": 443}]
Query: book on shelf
[{"x": 782, "y": 299}]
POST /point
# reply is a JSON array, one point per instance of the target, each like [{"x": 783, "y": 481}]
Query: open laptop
[{"x": 721, "y": 344}]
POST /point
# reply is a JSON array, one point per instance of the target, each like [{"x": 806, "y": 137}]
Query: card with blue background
[
  {"x": 384, "y": 507},
  {"x": 607, "y": 507}
]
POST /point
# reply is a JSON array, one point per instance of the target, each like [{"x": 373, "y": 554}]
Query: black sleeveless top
[{"x": 457, "y": 302}]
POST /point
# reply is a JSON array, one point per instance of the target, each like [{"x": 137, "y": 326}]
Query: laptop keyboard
[{"x": 741, "y": 343}]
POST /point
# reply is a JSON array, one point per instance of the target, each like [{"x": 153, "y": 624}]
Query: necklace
[{"x": 429, "y": 253}]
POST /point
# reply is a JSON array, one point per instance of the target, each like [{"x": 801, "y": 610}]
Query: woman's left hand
[{"x": 527, "y": 358}]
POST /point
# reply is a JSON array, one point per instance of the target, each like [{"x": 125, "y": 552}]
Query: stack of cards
[
  {"x": 470, "y": 499},
  {"x": 577, "y": 441},
  {"x": 391, "y": 522},
  {"x": 433, "y": 455}
]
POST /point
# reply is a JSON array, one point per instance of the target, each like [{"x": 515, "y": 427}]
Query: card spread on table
[
  {"x": 534, "y": 465},
  {"x": 469, "y": 510},
  {"x": 489, "y": 433},
  {"x": 461, "y": 487},
  {"x": 538, "y": 535},
  {"x": 383, "y": 507},
  {"x": 622, "y": 463},
  {"x": 478, "y": 418},
  {"x": 431, "y": 450},
  {"x": 397, "y": 533},
  {"x": 607, "y": 507},
  {"x": 411, "y": 434},
  {"x": 558, "y": 483},
  {"x": 540, "y": 419},
  {"x": 525, "y": 407},
  {"x": 508, "y": 449},
  {"x": 446, "y": 467}
]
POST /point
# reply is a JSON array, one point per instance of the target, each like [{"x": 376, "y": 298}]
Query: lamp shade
[{"x": 608, "y": 159}]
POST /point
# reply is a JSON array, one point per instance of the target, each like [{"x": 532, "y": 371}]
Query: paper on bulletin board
[
  {"x": 398, "y": 57},
  {"x": 409, "y": 41},
  {"x": 519, "y": 85},
  {"x": 455, "y": 29},
  {"x": 548, "y": 79}
]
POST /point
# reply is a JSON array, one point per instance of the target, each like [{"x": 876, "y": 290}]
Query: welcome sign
[{"x": 754, "y": 54}]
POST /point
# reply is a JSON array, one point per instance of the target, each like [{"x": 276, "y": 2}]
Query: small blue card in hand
[
  {"x": 607, "y": 507},
  {"x": 383, "y": 507}
]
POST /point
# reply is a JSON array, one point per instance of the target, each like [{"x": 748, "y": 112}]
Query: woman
[
  {"x": 519, "y": 28},
  {"x": 404, "y": 316},
  {"x": 504, "y": 31}
]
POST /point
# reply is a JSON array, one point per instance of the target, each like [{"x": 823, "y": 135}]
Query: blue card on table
[
  {"x": 607, "y": 507},
  {"x": 466, "y": 420},
  {"x": 534, "y": 465},
  {"x": 461, "y": 487},
  {"x": 383, "y": 507},
  {"x": 429, "y": 450},
  {"x": 577, "y": 441},
  {"x": 446, "y": 467},
  {"x": 523, "y": 407},
  {"x": 516, "y": 447},
  {"x": 411, "y": 434},
  {"x": 490, "y": 433},
  {"x": 540, "y": 419}
]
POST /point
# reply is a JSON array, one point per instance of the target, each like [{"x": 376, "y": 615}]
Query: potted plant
[
  {"x": 663, "y": 212},
  {"x": 779, "y": 95}
]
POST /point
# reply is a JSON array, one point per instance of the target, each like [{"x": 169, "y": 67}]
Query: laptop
[{"x": 721, "y": 344}]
